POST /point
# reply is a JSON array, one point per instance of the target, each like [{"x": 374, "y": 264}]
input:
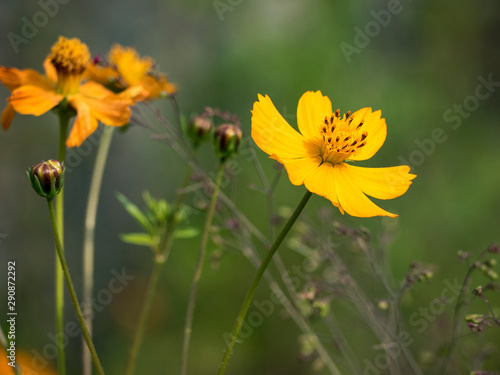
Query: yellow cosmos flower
[
  {"x": 132, "y": 76},
  {"x": 319, "y": 155},
  {"x": 35, "y": 94}
]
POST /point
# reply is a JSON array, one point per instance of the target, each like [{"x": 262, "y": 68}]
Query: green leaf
[
  {"x": 141, "y": 239},
  {"x": 186, "y": 233},
  {"x": 134, "y": 211}
]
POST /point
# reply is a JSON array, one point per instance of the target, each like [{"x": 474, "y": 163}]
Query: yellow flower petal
[
  {"x": 85, "y": 124},
  {"x": 111, "y": 110},
  {"x": 13, "y": 78},
  {"x": 135, "y": 93},
  {"x": 381, "y": 183},
  {"x": 33, "y": 100},
  {"x": 94, "y": 90},
  {"x": 50, "y": 70},
  {"x": 351, "y": 197},
  {"x": 376, "y": 129},
  {"x": 322, "y": 182},
  {"x": 311, "y": 112},
  {"x": 157, "y": 86},
  {"x": 300, "y": 169},
  {"x": 275, "y": 136},
  {"x": 104, "y": 75},
  {"x": 7, "y": 116}
]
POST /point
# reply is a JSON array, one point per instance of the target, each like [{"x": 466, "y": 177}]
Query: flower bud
[
  {"x": 199, "y": 128},
  {"x": 47, "y": 178},
  {"x": 226, "y": 140}
]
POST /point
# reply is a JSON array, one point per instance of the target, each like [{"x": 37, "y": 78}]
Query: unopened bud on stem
[
  {"x": 199, "y": 128},
  {"x": 47, "y": 178},
  {"x": 226, "y": 140}
]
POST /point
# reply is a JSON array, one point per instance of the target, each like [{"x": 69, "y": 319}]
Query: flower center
[
  {"x": 69, "y": 57},
  {"x": 343, "y": 137}
]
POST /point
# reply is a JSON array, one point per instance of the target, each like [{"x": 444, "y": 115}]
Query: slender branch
[
  {"x": 161, "y": 257},
  {"x": 248, "y": 299},
  {"x": 292, "y": 310},
  {"x": 146, "y": 306},
  {"x": 198, "y": 270},
  {"x": 458, "y": 314},
  {"x": 59, "y": 283},
  {"x": 89, "y": 235},
  {"x": 71, "y": 289}
]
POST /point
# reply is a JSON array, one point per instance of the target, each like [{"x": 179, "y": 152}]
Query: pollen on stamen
[
  {"x": 360, "y": 124},
  {"x": 337, "y": 113},
  {"x": 70, "y": 56}
]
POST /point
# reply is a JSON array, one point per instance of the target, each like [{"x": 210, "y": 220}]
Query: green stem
[
  {"x": 458, "y": 315},
  {"x": 248, "y": 299},
  {"x": 162, "y": 253},
  {"x": 59, "y": 283},
  {"x": 198, "y": 269},
  {"x": 165, "y": 243},
  {"x": 148, "y": 299},
  {"x": 71, "y": 289},
  {"x": 88, "y": 240}
]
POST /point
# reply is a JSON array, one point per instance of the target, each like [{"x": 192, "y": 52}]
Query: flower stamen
[
  {"x": 340, "y": 141},
  {"x": 70, "y": 58}
]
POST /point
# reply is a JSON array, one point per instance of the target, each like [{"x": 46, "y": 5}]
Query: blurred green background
[{"x": 417, "y": 66}]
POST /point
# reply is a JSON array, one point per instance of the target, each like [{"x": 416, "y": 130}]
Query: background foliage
[{"x": 427, "y": 59}]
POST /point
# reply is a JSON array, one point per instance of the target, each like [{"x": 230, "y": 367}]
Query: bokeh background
[{"x": 417, "y": 66}]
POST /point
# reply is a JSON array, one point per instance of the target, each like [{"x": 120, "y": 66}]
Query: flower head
[
  {"x": 130, "y": 74},
  {"x": 35, "y": 94},
  {"x": 69, "y": 58},
  {"x": 320, "y": 155}
]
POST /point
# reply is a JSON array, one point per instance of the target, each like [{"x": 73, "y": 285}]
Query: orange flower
[
  {"x": 35, "y": 94},
  {"x": 321, "y": 155},
  {"x": 130, "y": 75},
  {"x": 26, "y": 363}
]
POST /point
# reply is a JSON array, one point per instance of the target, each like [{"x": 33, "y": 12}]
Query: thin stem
[
  {"x": 197, "y": 272},
  {"x": 71, "y": 289},
  {"x": 458, "y": 314},
  {"x": 161, "y": 256},
  {"x": 59, "y": 283},
  {"x": 89, "y": 234},
  {"x": 146, "y": 306},
  {"x": 165, "y": 243},
  {"x": 255, "y": 283},
  {"x": 294, "y": 313}
]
